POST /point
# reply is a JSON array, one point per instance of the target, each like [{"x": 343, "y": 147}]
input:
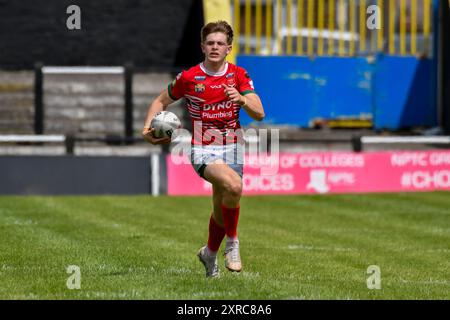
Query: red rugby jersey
[{"x": 207, "y": 102}]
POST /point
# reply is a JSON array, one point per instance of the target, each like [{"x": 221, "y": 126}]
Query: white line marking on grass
[
  {"x": 133, "y": 294},
  {"x": 297, "y": 298},
  {"x": 343, "y": 249},
  {"x": 424, "y": 282},
  {"x": 19, "y": 222},
  {"x": 300, "y": 247},
  {"x": 213, "y": 294},
  {"x": 441, "y": 250},
  {"x": 24, "y": 223},
  {"x": 103, "y": 267},
  {"x": 309, "y": 248},
  {"x": 7, "y": 267},
  {"x": 168, "y": 243}
]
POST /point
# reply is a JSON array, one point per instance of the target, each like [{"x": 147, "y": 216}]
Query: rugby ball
[{"x": 164, "y": 123}]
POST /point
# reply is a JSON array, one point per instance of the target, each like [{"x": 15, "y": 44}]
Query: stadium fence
[{"x": 332, "y": 27}]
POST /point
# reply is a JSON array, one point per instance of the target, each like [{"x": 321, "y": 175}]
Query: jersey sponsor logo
[
  {"x": 217, "y": 106},
  {"x": 199, "y": 87},
  {"x": 200, "y": 78},
  {"x": 216, "y": 87},
  {"x": 218, "y": 115}
]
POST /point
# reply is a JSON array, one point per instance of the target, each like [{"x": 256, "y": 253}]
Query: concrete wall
[
  {"x": 91, "y": 105},
  {"x": 146, "y": 32}
]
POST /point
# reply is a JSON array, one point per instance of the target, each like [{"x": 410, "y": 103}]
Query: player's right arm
[{"x": 159, "y": 104}]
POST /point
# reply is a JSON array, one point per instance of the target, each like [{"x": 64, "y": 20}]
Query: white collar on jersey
[{"x": 214, "y": 74}]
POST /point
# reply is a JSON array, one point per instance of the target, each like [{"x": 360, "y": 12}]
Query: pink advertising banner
[{"x": 326, "y": 172}]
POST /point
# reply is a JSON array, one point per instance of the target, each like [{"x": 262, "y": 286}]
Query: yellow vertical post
[
  {"x": 289, "y": 26},
  {"x": 237, "y": 25},
  {"x": 248, "y": 25},
  {"x": 278, "y": 30},
  {"x": 391, "y": 26},
  {"x": 331, "y": 27},
  {"x": 381, "y": 30},
  {"x": 341, "y": 27},
  {"x": 310, "y": 26},
  {"x": 268, "y": 25},
  {"x": 258, "y": 26},
  {"x": 362, "y": 25},
  {"x": 321, "y": 13},
  {"x": 426, "y": 22},
  {"x": 352, "y": 28},
  {"x": 413, "y": 27},
  {"x": 300, "y": 24},
  {"x": 402, "y": 27}
]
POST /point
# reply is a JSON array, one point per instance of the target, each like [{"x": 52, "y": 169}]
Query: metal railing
[
  {"x": 333, "y": 27},
  {"x": 359, "y": 142},
  {"x": 69, "y": 141}
]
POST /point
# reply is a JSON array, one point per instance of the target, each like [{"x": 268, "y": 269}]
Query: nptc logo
[{"x": 318, "y": 181}]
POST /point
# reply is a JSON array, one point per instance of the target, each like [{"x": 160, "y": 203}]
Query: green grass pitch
[{"x": 292, "y": 247}]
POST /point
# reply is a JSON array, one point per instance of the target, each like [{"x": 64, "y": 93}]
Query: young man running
[{"x": 215, "y": 91}]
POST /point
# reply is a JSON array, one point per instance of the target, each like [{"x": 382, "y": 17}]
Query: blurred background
[{"x": 328, "y": 72}]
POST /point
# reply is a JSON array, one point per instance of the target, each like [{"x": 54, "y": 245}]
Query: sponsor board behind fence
[{"x": 326, "y": 172}]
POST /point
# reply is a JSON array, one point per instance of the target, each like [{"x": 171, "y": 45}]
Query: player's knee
[{"x": 234, "y": 188}]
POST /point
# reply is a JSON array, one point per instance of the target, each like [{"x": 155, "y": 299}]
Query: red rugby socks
[
  {"x": 216, "y": 235},
  {"x": 230, "y": 221}
]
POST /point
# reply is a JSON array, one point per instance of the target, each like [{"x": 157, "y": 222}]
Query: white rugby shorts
[{"x": 231, "y": 154}]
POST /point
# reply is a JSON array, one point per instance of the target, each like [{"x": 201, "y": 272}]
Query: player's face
[{"x": 215, "y": 47}]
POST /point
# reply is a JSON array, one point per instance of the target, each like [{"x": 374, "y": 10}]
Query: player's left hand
[
  {"x": 233, "y": 94},
  {"x": 148, "y": 135}
]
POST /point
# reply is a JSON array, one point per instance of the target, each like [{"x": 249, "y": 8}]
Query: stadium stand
[{"x": 88, "y": 109}]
